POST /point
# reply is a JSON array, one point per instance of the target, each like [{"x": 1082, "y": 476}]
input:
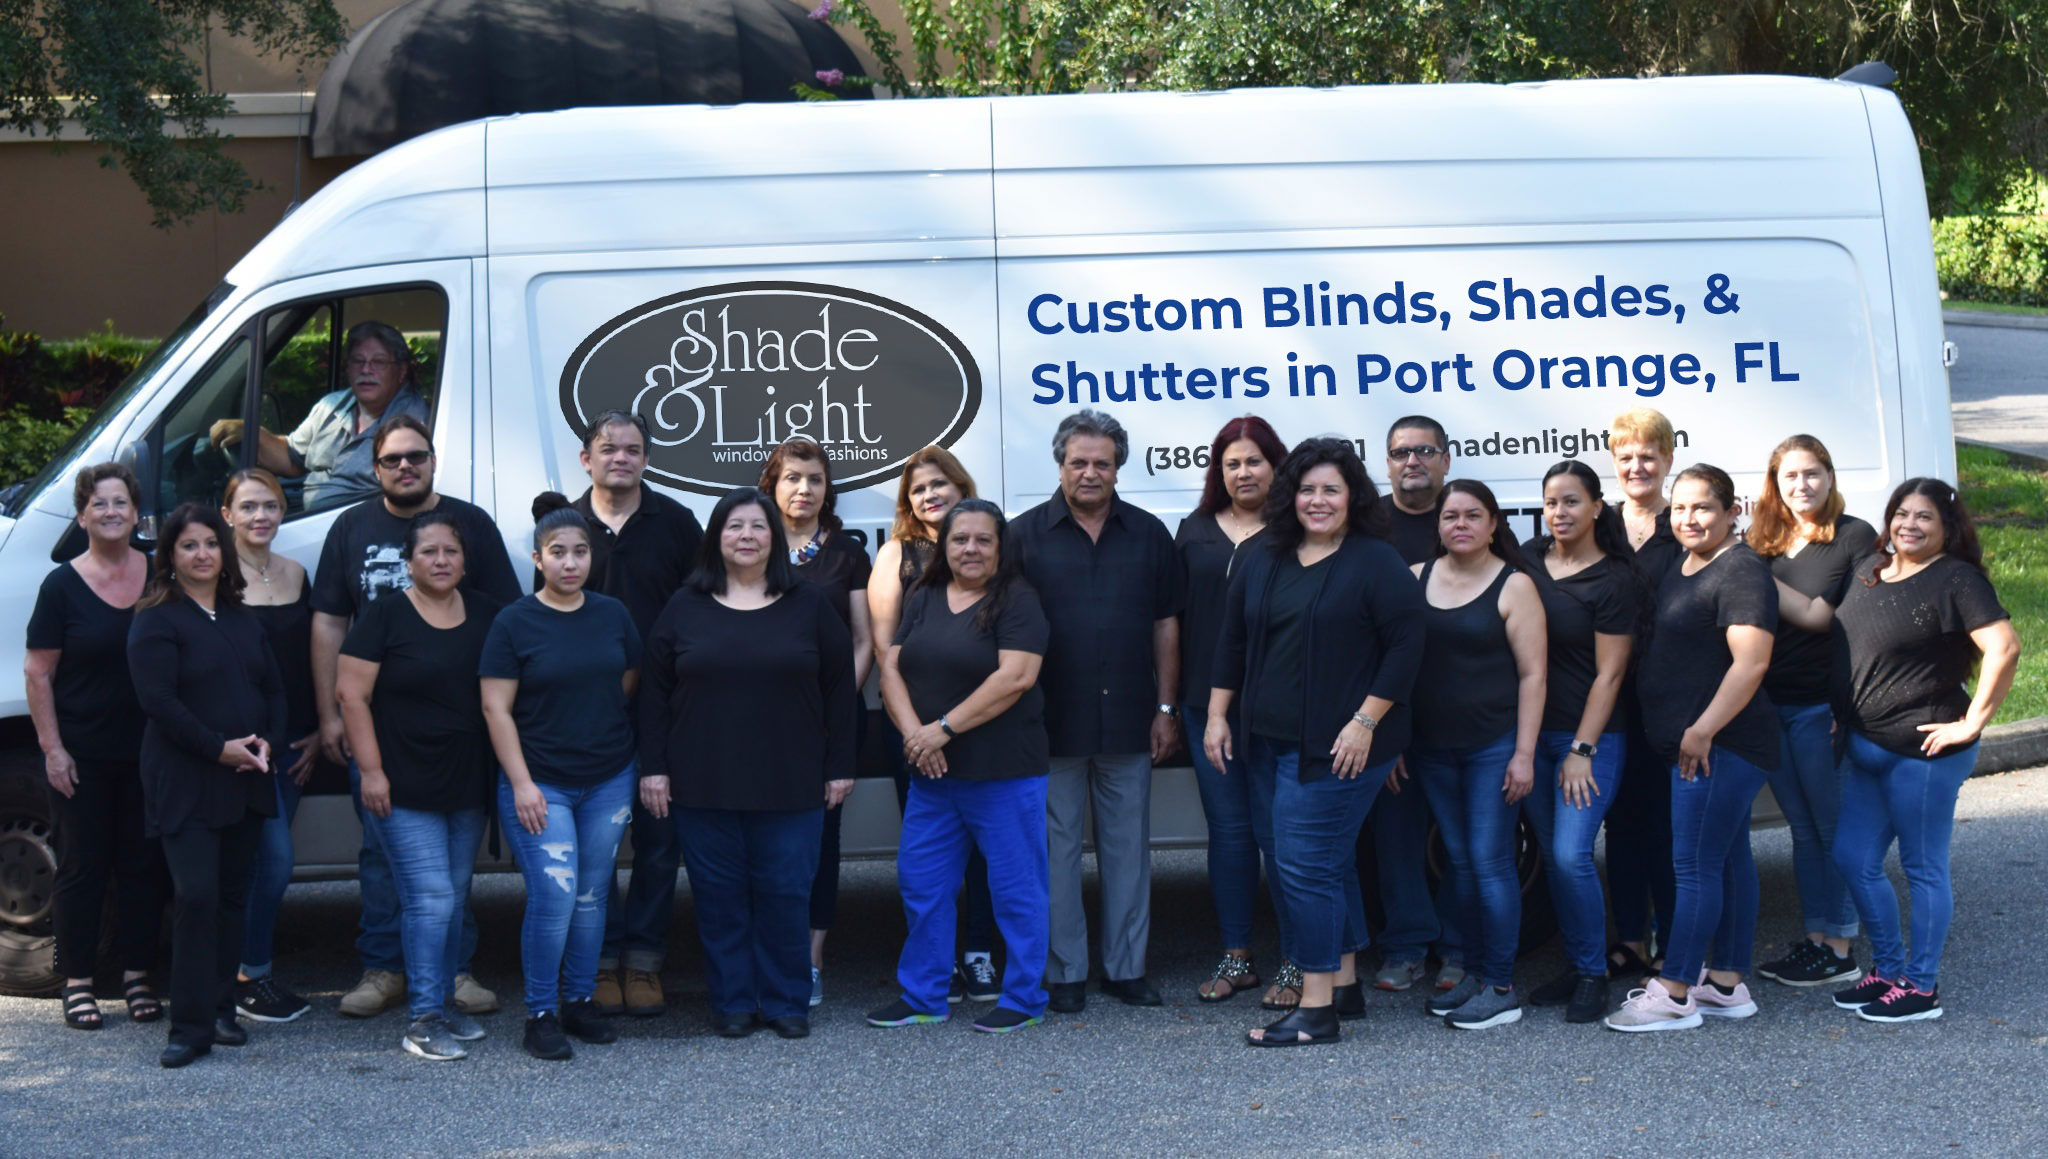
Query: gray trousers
[{"x": 1119, "y": 786}]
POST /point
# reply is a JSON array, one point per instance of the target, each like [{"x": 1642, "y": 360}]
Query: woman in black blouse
[
  {"x": 1322, "y": 635},
  {"x": 1242, "y": 460},
  {"x": 961, "y": 683},
  {"x": 1705, "y": 711},
  {"x": 90, "y": 729},
  {"x": 1915, "y": 619},
  {"x": 1594, "y": 602},
  {"x": 798, "y": 475},
  {"x": 747, "y": 727},
  {"x": 1812, "y": 545},
  {"x": 415, "y": 722},
  {"x": 208, "y": 682},
  {"x": 277, "y": 593}
]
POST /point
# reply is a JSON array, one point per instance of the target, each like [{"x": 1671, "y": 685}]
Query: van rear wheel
[{"x": 28, "y": 879}]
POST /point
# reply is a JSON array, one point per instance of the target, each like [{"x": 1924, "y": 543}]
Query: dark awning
[{"x": 430, "y": 63}]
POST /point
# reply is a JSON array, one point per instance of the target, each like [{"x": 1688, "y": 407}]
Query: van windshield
[{"x": 16, "y": 496}]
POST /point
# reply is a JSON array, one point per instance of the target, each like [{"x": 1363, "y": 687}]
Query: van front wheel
[{"x": 28, "y": 879}]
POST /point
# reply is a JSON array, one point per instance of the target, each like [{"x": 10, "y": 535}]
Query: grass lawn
[
  {"x": 1991, "y": 307},
  {"x": 2009, "y": 496}
]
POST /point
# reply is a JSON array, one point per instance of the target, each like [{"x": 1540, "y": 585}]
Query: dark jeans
[
  {"x": 825, "y": 881},
  {"x": 380, "y": 936},
  {"x": 1396, "y": 837},
  {"x": 1238, "y": 805},
  {"x": 1808, "y": 786},
  {"x": 1478, "y": 828},
  {"x": 1640, "y": 884},
  {"x": 268, "y": 879},
  {"x": 99, "y": 839},
  {"x": 1315, "y": 845},
  {"x": 946, "y": 818},
  {"x": 977, "y": 909},
  {"x": 750, "y": 876},
  {"x": 210, "y": 881},
  {"x": 1911, "y": 800},
  {"x": 1567, "y": 832},
  {"x": 636, "y": 925},
  {"x": 1714, "y": 924}
]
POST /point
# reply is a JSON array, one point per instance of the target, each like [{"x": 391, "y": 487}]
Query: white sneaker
[{"x": 1653, "y": 1008}]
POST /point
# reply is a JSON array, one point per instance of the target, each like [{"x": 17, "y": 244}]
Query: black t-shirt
[
  {"x": 1904, "y": 649},
  {"x": 98, "y": 717},
  {"x": 1802, "y": 661},
  {"x": 946, "y": 656},
  {"x": 839, "y": 569},
  {"x": 1207, "y": 557},
  {"x": 1688, "y": 654},
  {"x": 1601, "y": 599},
  {"x": 574, "y": 729},
  {"x": 1415, "y": 536},
  {"x": 427, "y": 706},
  {"x": 289, "y": 628},
  {"x": 643, "y": 563},
  {"x": 1289, "y": 600},
  {"x": 363, "y": 561}
]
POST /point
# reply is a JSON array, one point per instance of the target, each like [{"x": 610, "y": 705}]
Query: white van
[{"x": 1750, "y": 255}]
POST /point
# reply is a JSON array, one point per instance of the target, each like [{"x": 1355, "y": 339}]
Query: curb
[
  {"x": 2023, "y": 744},
  {"x": 1989, "y": 320}
]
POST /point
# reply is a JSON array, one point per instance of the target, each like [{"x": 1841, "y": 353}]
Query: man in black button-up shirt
[
  {"x": 1107, "y": 575},
  {"x": 642, "y": 547}
]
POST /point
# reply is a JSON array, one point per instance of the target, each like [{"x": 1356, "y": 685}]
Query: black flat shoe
[
  {"x": 1304, "y": 1026},
  {"x": 793, "y": 1026},
  {"x": 1067, "y": 997},
  {"x": 228, "y": 1032},
  {"x": 1133, "y": 991},
  {"x": 1348, "y": 1001},
  {"x": 726, "y": 1025},
  {"x": 180, "y": 1054}
]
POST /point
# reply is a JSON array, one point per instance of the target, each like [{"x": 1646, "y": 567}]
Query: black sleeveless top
[
  {"x": 289, "y": 628},
  {"x": 1467, "y": 691},
  {"x": 917, "y": 556}
]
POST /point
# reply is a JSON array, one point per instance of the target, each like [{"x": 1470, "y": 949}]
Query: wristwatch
[
  {"x": 1172, "y": 710},
  {"x": 1582, "y": 749},
  {"x": 946, "y": 728}
]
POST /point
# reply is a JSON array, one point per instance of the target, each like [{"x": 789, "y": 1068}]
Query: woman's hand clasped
[
  {"x": 249, "y": 754},
  {"x": 1353, "y": 747},
  {"x": 923, "y": 749}
]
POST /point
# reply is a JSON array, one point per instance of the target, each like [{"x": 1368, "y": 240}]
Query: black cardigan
[
  {"x": 1365, "y": 638},
  {"x": 201, "y": 682}
]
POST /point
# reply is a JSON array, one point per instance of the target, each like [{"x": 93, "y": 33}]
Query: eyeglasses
[
  {"x": 1424, "y": 453},
  {"x": 409, "y": 458},
  {"x": 376, "y": 362}
]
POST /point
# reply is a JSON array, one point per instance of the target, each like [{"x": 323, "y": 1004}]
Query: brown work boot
[
  {"x": 472, "y": 997},
  {"x": 607, "y": 998},
  {"x": 378, "y": 991},
  {"x": 643, "y": 994}
]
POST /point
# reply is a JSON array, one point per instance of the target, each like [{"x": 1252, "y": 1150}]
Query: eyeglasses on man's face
[
  {"x": 375, "y": 362},
  {"x": 1424, "y": 453}
]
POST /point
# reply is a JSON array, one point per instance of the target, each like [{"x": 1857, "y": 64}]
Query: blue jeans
[
  {"x": 1567, "y": 833},
  {"x": 432, "y": 856},
  {"x": 1640, "y": 888},
  {"x": 1808, "y": 786},
  {"x": 1713, "y": 924},
  {"x": 268, "y": 877},
  {"x": 636, "y": 925},
  {"x": 1912, "y": 800},
  {"x": 1315, "y": 847},
  {"x": 943, "y": 820},
  {"x": 379, "y": 936},
  {"x": 568, "y": 868},
  {"x": 1239, "y": 809},
  {"x": 1478, "y": 828},
  {"x": 1397, "y": 835},
  {"x": 750, "y": 878}
]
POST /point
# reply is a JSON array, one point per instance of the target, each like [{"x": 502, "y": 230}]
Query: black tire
[
  {"x": 28, "y": 879},
  {"x": 1539, "y": 916}
]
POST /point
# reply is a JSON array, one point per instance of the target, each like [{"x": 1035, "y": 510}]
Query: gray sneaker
[
  {"x": 429, "y": 1038},
  {"x": 1487, "y": 1008},
  {"x": 817, "y": 986},
  {"x": 1442, "y": 1004},
  {"x": 463, "y": 1027},
  {"x": 1399, "y": 975}
]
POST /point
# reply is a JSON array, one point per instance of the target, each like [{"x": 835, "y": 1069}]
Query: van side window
[{"x": 192, "y": 466}]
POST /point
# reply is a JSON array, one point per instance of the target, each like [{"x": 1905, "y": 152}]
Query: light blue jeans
[
  {"x": 432, "y": 855},
  {"x": 569, "y": 869}
]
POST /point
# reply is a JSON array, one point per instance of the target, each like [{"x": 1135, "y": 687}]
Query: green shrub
[
  {"x": 26, "y": 442},
  {"x": 1993, "y": 258}
]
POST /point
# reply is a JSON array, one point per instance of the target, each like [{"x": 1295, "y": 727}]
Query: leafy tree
[{"x": 129, "y": 73}]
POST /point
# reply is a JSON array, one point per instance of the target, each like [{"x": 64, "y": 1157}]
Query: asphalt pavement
[
  {"x": 1998, "y": 388},
  {"x": 1803, "y": 1077}
]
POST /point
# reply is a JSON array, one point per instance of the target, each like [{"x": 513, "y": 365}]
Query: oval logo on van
[{"x": 723, "y": 374}]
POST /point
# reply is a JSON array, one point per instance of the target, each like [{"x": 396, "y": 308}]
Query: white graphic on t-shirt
[{"x": 384, "y": 570}]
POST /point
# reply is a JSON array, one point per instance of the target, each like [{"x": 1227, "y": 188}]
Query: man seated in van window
[{"x": 331, "y": 449}]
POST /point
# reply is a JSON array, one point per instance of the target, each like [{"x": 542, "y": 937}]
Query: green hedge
[{"x": 2000, "y": 258}]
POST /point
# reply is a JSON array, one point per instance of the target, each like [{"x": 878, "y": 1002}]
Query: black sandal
[
  {"x": 1348, "y": 1001},
  {"x": 81, "y": 1011},
  {"x": 1288, "y": 978},
  {"x": 1623, "y": 961},
  {"x": 1236, "y": 974},
  {"x": 142, "y": 1001},
  {"x": 1305, "y": 1026}
]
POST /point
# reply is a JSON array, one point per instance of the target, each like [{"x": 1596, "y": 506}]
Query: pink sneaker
[
  {"x": 1653, "y": 1008},
  {"x": 1715, "y": 1004}
]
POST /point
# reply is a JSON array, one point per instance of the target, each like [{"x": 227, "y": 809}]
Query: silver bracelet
[{"x": 1365, "y": 722}]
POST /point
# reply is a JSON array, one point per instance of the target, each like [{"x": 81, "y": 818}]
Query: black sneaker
[
  {"x": 1863, "y": 993},
  {"x": 956, "y": 991},
  {"x": 545, "y": 1040},
  {"x": 1811, "y": 964},
  {"x": 580, "y": 1019},
  {"x": 1589, "y": 999},
  {"x": 1902, "y": 1003},
  {"x": 1557, "y": 991},
  {"x": 263, "y": 1000},
  {"x": 981, "y": 983}
]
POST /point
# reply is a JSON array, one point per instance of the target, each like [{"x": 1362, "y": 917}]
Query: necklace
[
  {"x": 262, "y": 570},
  {"x": 809, "y": 551},
  {"x": 1236, "y": 530}
]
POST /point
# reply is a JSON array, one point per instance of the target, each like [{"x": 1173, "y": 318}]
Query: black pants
[
  {"x": 210, "y": 875},
  {"x": 1642, "y": 886},
  {"x": 99, "y": 838}
]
